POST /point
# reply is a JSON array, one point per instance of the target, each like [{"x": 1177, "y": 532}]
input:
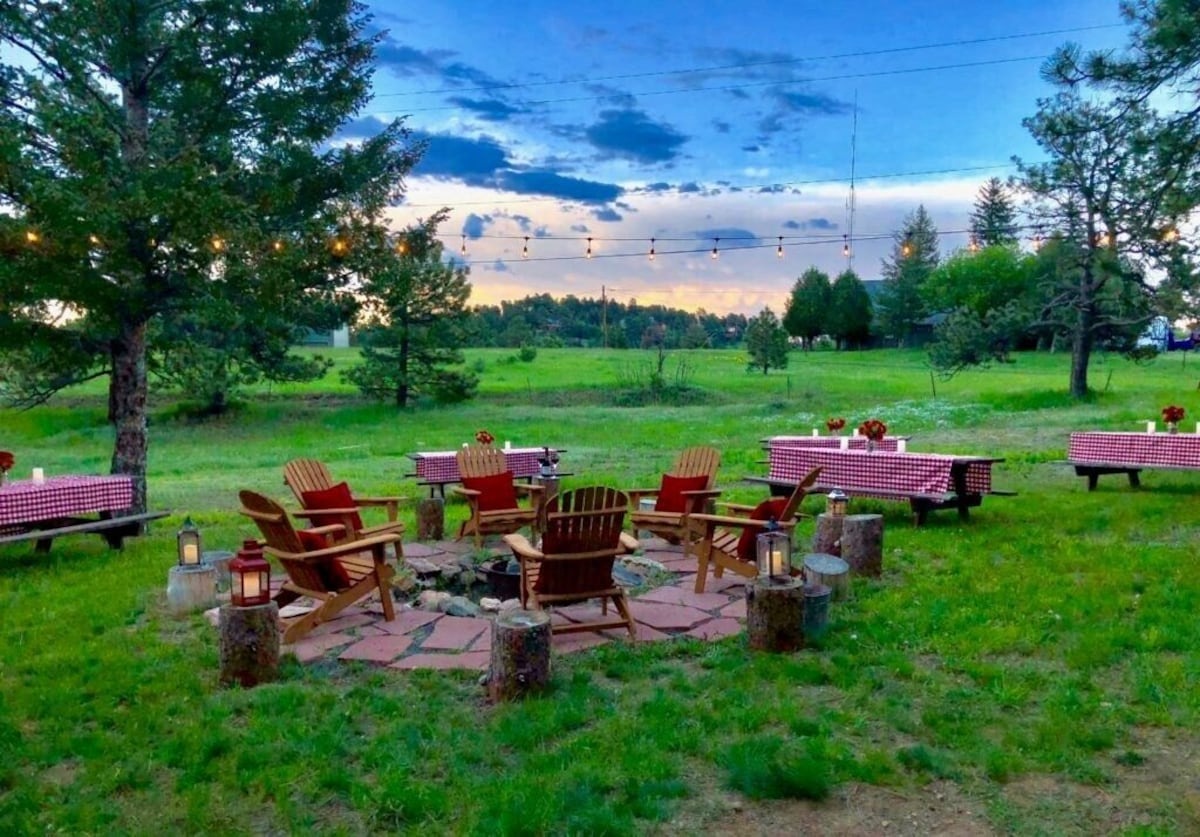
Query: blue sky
[{"x": 690, "y": 122}]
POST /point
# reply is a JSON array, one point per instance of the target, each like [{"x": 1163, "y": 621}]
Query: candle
[
  {"x": 776, "y": 561},
  {"x": 507, "y": 445},
  {"x": 901, "y": 445},
  {"x": 250, "y": 585},
  {"x": 190, "y": 556},
  {"x": 1149, "y": 427},
  {"x": 39, "y": 476},
  {"x": 856, "y": 431},
  {"x": 844, "y": 443},
  {"x": 817, "y": 433}
]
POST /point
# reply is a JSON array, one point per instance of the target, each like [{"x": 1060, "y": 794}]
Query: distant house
[
  {"x": 922, "y": 331},
  {"x": 336, "y": 339}
]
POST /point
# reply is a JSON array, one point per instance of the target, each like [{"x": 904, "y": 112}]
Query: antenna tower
[{"x": 850, "y": 200}]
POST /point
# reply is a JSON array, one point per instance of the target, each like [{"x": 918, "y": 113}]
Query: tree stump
[
  {"x": 775, "y": 614},
  {"x": 431, "y": 519},
  {"x": 862, "y": 544},
  {"x": 191, "y": 588},
  {"x": 520, "y": 661},
  {"x": 827, "y": 536},
  {"x": 249, "y": 644},
  {"x": 830, "y": 570}
]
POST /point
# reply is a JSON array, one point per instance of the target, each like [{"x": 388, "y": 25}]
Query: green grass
[{"x": 1049, "y": 644}]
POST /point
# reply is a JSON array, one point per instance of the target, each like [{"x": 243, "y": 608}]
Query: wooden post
[
  {"x": 775, "y": 614},
  {"x": 249, "y": 644},
  {"x": 827, "y": 536},
  {"x": 862, "y": 544},
  {"x": 431, "y": 519},
  {"x": 829, "y": 570},
  {"x": 191, "y": 588},
  {"x": 520, "y": 661}
]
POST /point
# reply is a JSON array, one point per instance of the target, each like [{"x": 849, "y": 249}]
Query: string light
[
  {"x": 1037, "y": 240},
  {"x": 1170, "y": 234},
  {"x": 525, "y": 249},
  {"x": 339, "y": 247},
  {"x": 32, "y": 237},
  {"x": 652, "y": 249},
  {"x": 1103, "y": 239},
  {"x": 218, "y": 244},
  {"x": 589, "y": 248},
  {"x": 846, "y": 246},
  {"x": 906, "y": 248},
  {"x": 401, "y": 246},
  {"x": 779, "y": 249},
  {"x": 94, "y": 240},
  {"x": 973, "y": 246},
  {"x": 715, "y": 254},
  {"x": 277, "y": 245},
  {"x": 463, "y": 249}
]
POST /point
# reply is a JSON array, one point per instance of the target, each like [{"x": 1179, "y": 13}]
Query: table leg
[
  {"x": 1135, "y": 480},
  {"x": 959, "y": 475}
]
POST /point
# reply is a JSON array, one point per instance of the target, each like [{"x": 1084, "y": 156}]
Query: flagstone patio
[{"x": 418, "y": 639}]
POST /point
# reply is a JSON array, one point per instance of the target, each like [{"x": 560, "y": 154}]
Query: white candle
[
  {"x": 856, "y": 431},
  {"x": 1198, "y": 427},
  {"x": 1149, "y": 427},
  {"x": 901, "y": 445},
  {"x": 776, "y": 560},
  {"x": 844, "y": 443},
  {"x": 190, "y": 555},
  {"x": 39, "y": 476},
  {"x": 817, "y": 433},
  {"x": 250, "y": 585},
  {"x": 507, "y": 445}
]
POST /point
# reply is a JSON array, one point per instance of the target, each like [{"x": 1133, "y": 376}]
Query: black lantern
[
  {"x": 836, "y": 502},
  {"x": 188, "y": 541},
  {"x": 774, "y": 552},
  {"x": 249, "y": 576}
]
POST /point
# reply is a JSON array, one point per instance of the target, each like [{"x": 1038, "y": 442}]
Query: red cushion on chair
[
  {"x": 312, "y": 540},
  {"x": 670, "y": 493},
  {"x": 335, "y": 497},
  {"x": 335, "y": 575},
  {"x": 747, "y": 548},
  {"x": 496, "y": 491}
]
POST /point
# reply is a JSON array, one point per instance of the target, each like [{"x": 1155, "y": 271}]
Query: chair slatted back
[
  {"x": 281, "y": 540},
  {"x": 480, "y": 461},
  {"x": 303, "y": 475},
  {"x": 697, "y": 461},
  {"x": 792, "y": 507},
  {"x": 582, "y": 537}
]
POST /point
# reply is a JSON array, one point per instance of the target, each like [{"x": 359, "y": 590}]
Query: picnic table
[
  {"x": 1096, "y": 453},
  {"x": 929, "y": 481},
  {"x": 41, "y": 511},
  {"x": 440, "y": 467},
  {"x": 888, "y": 443}
]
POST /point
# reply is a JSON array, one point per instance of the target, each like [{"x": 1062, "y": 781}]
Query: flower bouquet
[
  {"x": 1172, "y": 415},
  {"x": 484, "y": 437},
  {"x": 7, "y": 460},
  {"x": 833, "y": 425},
  {"x": 874, "y": 430}
]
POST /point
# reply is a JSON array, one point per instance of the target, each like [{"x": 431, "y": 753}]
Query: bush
[{"x": 527, "y": 353}]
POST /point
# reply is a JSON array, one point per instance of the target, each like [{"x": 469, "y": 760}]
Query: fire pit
[{"x": 502, "y": 583}]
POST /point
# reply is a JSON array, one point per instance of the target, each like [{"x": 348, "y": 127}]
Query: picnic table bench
[
  {"x": 64, "y": 505},
  {"x": 439, "y": 468},
  {"x": 1094, "y": 454},
  {"x": 928, "y": 481}
]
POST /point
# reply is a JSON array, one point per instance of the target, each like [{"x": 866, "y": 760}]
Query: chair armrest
[
  {"x": 465, "y": 492},
  {"x": 338, "y": 550},
  {"x": 379, "y": 501},
  {"x": 629, "y": 543},
  {"x": 739, "y": 522},
  {"x": 528, "y": 488},
  {"x": 704, "y": 493},
  {"x": 309, "y": 513},
  {"x": 737, "y": 507},
  {"x": 522, "y": 548},
  {"x": 327, "y": 529}
]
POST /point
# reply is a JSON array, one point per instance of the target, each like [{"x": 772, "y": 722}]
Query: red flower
[
  {"x": 483, "y": 437},
  {"x": 6, "y": 460},
  {"x": 1172, "y": 414},
  {"x": 835, "y": 424},
  {"x": 873, "y": 429}
]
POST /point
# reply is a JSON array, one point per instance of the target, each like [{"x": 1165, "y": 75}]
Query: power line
[{"x": 753, "y": 64}]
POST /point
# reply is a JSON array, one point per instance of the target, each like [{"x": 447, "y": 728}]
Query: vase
[
  {"x": 871, "y": 443},
  {"x": 1172, "y": 427}
]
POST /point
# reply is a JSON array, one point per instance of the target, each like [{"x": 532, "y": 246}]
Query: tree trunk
[
  {"x": 1081, "y": 347},
  {"x": 127, "y": 395},
  {"x": 402, "y": 390}
]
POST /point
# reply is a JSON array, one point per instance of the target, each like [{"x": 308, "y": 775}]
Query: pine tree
[
  {"x": 766, "y": 341},
  {"x": 914, "y": 256},
  {"x": 993, "y": 219}
]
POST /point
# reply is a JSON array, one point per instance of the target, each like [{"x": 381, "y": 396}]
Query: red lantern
[{"x": 249, "y": 576}]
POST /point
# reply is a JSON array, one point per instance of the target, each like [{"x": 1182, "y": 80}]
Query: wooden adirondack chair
[
  {"x": 727, "y": 541},
  {"x": 491, "y": 493},
  {"x": 575, "y": 562},
  {"x": 336, "y": 577},
  {"x": 325, "y": 502},
  {"x": 684, "y": 491}
]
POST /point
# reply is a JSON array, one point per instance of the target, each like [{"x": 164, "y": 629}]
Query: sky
[{"x": 702, "y": 126}]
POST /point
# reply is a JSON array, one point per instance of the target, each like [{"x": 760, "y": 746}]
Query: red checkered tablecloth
[
  {"x": 856, "y": 442},
  {"x": 1171, "y": 450},
  {"x": 23, "y": 501},
  {"x": 881, "y": 473},
  {"x": 442, "y": 465}
]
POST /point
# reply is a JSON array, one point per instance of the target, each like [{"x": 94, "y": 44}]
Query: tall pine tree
[
  {"x": 993, "y": 218},
  {"x": 914, "y": 256}
]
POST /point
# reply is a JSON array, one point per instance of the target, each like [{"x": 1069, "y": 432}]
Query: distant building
[{"x": 336, "y": 339}]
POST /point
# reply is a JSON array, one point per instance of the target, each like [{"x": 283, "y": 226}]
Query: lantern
[
  {"x": 188, "y": 540},
  {"x": 774, "y": 552},
  {"x": 836, "y": 502},
  {"x": 249, "y": 576}
]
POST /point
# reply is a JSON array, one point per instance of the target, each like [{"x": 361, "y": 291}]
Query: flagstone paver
[
  {"x": 408, "y": 620},
  {"x": 570, "y": 643},
  {"x": 416, "y": 549},
  {"x": 377, "y": 649},
  {"x": 472, "y": 660},
  {"x": 314, "y": 647},
  {"x": 735, "y": 609},
  {"x": 454, "y": 633},
  {"x": 680, "y": 596},
  {"x": 345, "y": 622},
  {"x": 667, "y": 616},
  {"x": 716, "y": 629}
]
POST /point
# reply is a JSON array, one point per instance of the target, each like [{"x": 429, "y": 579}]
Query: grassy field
[{"x": 1034, "y": 671}]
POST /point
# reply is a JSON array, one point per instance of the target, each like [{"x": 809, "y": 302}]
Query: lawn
[{"x": 1033, "y": 671}]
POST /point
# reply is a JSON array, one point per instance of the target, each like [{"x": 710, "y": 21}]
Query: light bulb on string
[
  {"x": 1103, "y": 239},
  {"x": 589, "y": 248},
  {"x": 1037, "y": 240},
  {"x": 651, "y": 254},
  {"x": 339, "y": 247},
  {"x": 217, "y": 243},
  {"x": 94, "y": 240},
  {"x": 845, "y": 245},
  {"x": 973, "y": 245},
  {"x": 1170, "y": 234},
  {"x": 525, "y": 249},
  {"x": 401, "y": 246},
  {"x": 32, "y": 236},
  {"x": 779, "y": 249},
  {"x": 906, "y": 248},
  {"x": 715, "y": 254},
  {"x": 277, "y": 245}
]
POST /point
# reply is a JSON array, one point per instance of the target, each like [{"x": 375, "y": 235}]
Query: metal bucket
[{"x": 816, "y": 610}]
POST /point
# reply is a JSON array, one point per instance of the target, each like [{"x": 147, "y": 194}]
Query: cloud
[
  {"x": 809, "y": 104},
  {"x": 721, "y": 127},
  {"x": 606, "y": 214},
  {"x": 558, "y": 186},
  {"x": 773, "y": 189},
  {"x": 499, "y": 266},
  {"x": 632, "y": 135},
  {"x": 750, "y": 149},
  {"x": 474, "y": 225},
  {"x": 405, "y": 61},
  {"x": 611, "y": 95},
  {"x": 810, "y": 224},
  {"x": 744, "y": 237},
  {"x": 363, "y": 128},
  {"x": 580, "y": 228},
  {"x": 660, "y": 186},
  {"x": 474, "y": 161},
  {"x": 490, "y": 110},
  {"x": 691, "y": 186}
]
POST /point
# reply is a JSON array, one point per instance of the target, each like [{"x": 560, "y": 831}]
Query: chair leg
[
  {"x": 383, "y": 574},
  {"x": 623, "y": 609},
  {"x": 702, "y": 559}
]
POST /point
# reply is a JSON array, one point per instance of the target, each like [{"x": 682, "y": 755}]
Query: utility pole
[{"x": 604, "y": 315}]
